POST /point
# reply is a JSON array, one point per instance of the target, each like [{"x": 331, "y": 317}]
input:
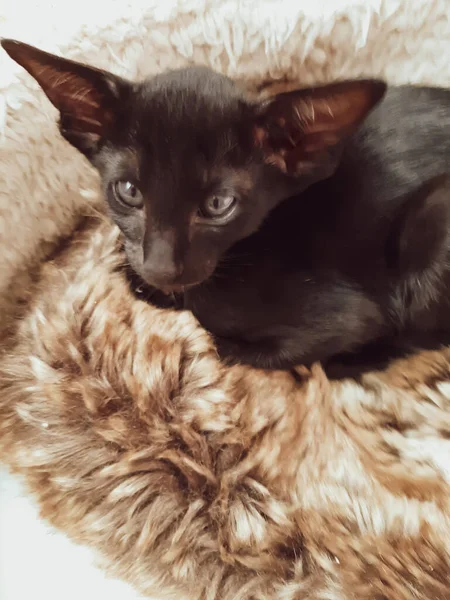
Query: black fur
[{"x": 340, "y": 237}]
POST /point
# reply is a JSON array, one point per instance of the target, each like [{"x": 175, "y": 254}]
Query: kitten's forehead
[
  {"x": 200, "y": 81},
  {"x": 195, "y": 94},
  {"x": 184, "y": 122}
]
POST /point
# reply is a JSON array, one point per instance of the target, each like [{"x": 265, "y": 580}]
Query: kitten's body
[
  {"x": 326, "y": 252},
  {"x": 298, "y": 227}
]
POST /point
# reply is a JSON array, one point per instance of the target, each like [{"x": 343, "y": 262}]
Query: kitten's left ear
[
  {"x": 302, "y": 132},
  {"x": 88, "y": 99}
]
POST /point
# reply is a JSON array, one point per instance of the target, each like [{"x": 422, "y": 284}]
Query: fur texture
[
  {"x": 221, "y": 483},
  {"x": 189, "y": 479}
]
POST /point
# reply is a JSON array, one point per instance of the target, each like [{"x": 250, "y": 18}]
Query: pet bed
[{"x": 189, "y": 479}]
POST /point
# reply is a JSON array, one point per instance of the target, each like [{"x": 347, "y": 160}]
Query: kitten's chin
[{"x": 178, "y": 289}]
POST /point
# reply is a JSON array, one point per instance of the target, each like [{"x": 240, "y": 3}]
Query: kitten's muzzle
[
  {"x": 168, "y": 280},
  {"x": 160, "y": 265}
]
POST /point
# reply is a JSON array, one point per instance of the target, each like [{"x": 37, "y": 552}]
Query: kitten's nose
[{"x": 160, "y": 266}]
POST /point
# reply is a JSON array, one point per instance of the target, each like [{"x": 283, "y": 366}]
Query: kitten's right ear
[
  {"x": 302, "y": 132},
  {"x": 88, "y": 99}
]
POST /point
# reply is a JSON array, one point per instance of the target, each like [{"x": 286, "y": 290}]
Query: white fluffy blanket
[{"x": 44, "y": 183}]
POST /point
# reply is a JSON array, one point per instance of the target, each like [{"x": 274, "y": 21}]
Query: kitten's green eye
[
  {"x": 217, "y": 207},
  {"x": 127, "y": 193}
]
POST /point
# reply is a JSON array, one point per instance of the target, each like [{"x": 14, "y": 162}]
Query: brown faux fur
[{"x": 220, "y": 484}]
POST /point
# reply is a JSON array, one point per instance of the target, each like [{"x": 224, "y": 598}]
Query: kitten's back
[{"x": 405, "y": 141}]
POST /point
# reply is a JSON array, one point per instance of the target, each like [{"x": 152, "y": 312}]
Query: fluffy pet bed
[{"x": 187, "y": 478}]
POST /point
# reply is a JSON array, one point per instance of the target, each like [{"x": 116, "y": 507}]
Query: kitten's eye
[
  {"x": 127, "y": 193},
  {"x": 217, "y": 207}
]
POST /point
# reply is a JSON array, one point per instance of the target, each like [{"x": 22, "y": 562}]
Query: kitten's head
[{"x": 189, "y": 163}]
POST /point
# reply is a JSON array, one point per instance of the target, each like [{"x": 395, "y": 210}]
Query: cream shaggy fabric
[
  {"x": 44, "y": 189},
  {"x": 213, "y": 483}
]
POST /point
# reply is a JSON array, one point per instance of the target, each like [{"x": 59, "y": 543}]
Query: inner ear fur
[
  {"x": 301, "y": 130},
  {"x": 86, "y": 98}
]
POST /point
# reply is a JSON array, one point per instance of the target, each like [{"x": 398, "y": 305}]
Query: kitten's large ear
[
  {"x": 420, "y": 238},
  {"x": 302, "y": 131},
  {"x": 87, "y": 98}
]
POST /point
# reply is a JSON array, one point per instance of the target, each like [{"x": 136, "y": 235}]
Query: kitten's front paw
[{"x": 261, "y": 354}]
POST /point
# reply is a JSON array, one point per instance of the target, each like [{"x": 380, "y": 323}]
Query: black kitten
[{"x": 295, "y": 228}]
